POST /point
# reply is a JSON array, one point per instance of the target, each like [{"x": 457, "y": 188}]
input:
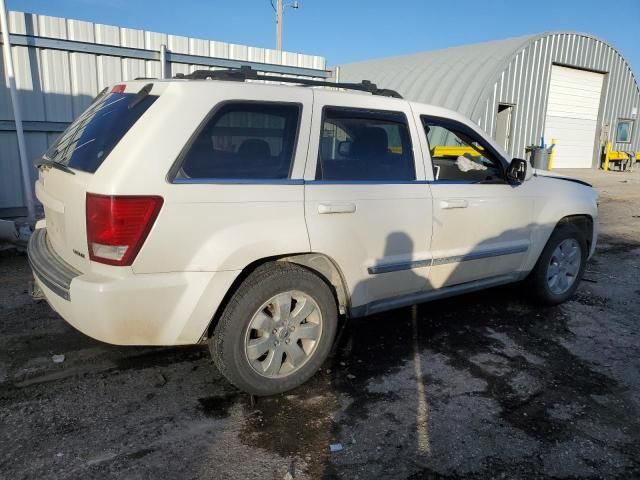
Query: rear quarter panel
[{"x": 213, "y": 225}]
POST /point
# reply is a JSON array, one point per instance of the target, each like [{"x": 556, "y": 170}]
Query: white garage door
[{"x": 572, "y": 115}]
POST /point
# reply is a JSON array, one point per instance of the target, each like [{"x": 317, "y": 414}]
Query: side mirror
[
  {"x": 344, "y": 148},
  {"x": 519, "y": 170}
]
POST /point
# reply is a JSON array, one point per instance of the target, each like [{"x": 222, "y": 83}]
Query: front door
[
  {"x": 481, "y": 224},
  {"x": 367, "y": 205}
]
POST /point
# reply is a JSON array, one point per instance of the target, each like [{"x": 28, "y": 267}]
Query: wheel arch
[
  {"x": 539, "y": 288},
  {"x": 322, "y": 265},
  {"x": 543, "y": 231},
  {"x": 583, "y": 222}
]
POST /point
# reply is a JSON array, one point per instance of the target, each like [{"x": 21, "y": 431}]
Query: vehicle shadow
[{"x": 453, "y": 385}]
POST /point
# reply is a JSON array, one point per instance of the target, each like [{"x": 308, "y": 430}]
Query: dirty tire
[
  {"x": 227, "y": 345},
  {"x": 537, "y": 284}
]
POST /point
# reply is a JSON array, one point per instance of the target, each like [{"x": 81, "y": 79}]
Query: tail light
[
  {"x": 120, "y": 88},
  {"x": 117, "y": 226}
]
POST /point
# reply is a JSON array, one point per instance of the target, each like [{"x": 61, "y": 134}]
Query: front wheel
[
  {"x": 560, "y": 267},
  {"x": 276, "y": 331}
]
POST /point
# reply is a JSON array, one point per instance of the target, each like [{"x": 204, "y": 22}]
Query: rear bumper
[
  {"x": 172, "y": 308},
  {"x": 48, "y": 267}
]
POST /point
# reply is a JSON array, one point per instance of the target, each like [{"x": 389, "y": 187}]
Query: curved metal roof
[{"x": 453, "y": 77}]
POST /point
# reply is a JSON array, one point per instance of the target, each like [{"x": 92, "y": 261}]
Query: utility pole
[
  {"x": 279, "y": 25},
  {"x": 279, "y": 9}
]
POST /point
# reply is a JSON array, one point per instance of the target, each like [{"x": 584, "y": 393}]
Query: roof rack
[{"x": 247, "y": 73}]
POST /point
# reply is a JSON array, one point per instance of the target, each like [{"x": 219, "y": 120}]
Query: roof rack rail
[{"x": 247, "y": 73}]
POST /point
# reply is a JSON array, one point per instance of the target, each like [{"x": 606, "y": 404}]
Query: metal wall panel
[
  {"x": 10, "y": 190},
  {"x": 83, "y": 68},
  {"x": 55, "y": 83},
  {"x": 132, "y": 67}
]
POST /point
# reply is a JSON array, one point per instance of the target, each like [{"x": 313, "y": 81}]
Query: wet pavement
[{"x": 480, "y": 386}]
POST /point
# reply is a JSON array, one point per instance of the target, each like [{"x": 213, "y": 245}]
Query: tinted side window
[
  {"x": 363, "y": 145},
  {"x": 244, "y": 141},
  {"x": 457, "y": 155}
]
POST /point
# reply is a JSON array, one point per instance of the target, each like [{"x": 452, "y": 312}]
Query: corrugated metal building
[
  {"x": 569, "y": 86},
  {"x": 61, "y": 64}
]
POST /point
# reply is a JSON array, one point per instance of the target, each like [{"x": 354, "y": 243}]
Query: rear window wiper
[
  {"x": 44, "y": 162},
  {"x": 141, "y": 95}
]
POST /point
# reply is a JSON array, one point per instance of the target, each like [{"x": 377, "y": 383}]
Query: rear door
[
  {"x": 73, "y": 160},
  {"x": 367, "y": 204}
]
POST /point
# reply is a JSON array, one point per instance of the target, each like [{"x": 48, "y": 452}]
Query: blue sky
[{"x": 351, "y": 30}]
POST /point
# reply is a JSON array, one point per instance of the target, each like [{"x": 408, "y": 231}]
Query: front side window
[
  {"x": 457, "y": 155},
  {"x": 244, "y": 141},
  {"x": 623, "y": 131},
  {"x": 364, "y": 145}
]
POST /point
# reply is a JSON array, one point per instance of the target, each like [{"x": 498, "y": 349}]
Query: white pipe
[
  {"x": 163, "y": 61},
  {"x": 17, "y": 115}
]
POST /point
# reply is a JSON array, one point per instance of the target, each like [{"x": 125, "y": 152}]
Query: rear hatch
[{"x": 67, "y": 168}]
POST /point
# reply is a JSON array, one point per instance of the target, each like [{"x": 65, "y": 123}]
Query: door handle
[
  {"x": 324, "y": 208},
  {"x": 454, "y": 203}
]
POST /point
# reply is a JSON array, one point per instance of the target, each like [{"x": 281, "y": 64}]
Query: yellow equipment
[{"x": 619, "y": 156}]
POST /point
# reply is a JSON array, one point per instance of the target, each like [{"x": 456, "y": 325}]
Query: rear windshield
[{"x": 92, "y": 136}]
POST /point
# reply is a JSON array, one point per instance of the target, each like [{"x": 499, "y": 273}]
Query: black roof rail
[{"x": 247, "y": 73}]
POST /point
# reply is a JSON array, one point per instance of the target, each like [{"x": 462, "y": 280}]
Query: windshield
[{"x": 92, "y": 136}]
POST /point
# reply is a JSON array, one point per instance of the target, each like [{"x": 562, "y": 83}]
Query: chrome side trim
[
  {"x": 391, "y": 182},
  {"x": 237, "y": 181},
  {"x": 48, "y": 267},
  {"x": 429, "y": 295},
  {"x": 477, "y": 255},
  {"x": 366, "y": 182},
  {"x": 394, "y": 267}
]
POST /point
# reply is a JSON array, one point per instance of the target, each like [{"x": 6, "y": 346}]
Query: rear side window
[
  {"x": 244, "y": 141},
  {"x": 364, "y": 145},
  {"x": 92, "y": 136}
]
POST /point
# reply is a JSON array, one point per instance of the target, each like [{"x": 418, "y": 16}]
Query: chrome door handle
[
  {"x": 454, "y": 203},
  {"x": 324, "y": 208}
]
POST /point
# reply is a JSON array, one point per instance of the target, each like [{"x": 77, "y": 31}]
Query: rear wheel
[
  {"x": 560, "y": 267},
  {"x": 276, "y": 331}
]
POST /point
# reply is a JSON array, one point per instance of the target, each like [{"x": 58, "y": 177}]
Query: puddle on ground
[
  {"x": 218, "y": 406},
  {"x": 615, "y": 247},
  {"x": 140, "y": 453},
  {"x": 590, "y": 300}
]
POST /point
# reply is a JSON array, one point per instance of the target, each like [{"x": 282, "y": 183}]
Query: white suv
[{"x": 253, "y": 215}]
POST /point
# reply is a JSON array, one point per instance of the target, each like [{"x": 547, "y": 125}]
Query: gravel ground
[{"x": 480, "y": 386}]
